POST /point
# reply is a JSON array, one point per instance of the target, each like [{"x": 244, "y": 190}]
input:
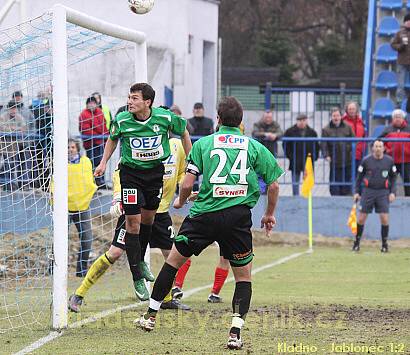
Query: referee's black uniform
[{"x": 375, "y": 181}]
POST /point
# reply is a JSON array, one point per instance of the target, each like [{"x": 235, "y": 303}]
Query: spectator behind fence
[
  {"x": 12, "y": 122},
  {"x": 175, "y": 109},
  {"x": 353, "y": 119},
  {"x": 377, "y": 173},
  {"x": 43, "y": 122},
  {"x": 268, "y": 132},
  {"x": 297, "y": 152},
  {"x": 400, "y": 43},
  {"x": 201, "y": 125},
  {"x": 23, "y": 110},
  {"x": 338, "y": 154},
  {"x": 92, "y": 123},
  {"x": 399, "y": 151},
  {"x": 81, "y": 189},
  {"x": 104, "y": 108}
]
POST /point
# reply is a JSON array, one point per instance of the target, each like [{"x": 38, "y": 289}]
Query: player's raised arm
[
  {"x": 185, "y": 190},
  {"x": 110, "y": 147},
  {"x": 186, "y": 142}
]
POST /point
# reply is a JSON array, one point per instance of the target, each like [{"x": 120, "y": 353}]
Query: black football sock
[
  {"x": 145, "y": 236},
  {"x": 133, "y": 250},
  {"x": 241, "y": 301},
  {"x": 385, "y": 234},
  {"x": 360, "y": 228},
  {"x": 162, "y": 286}
]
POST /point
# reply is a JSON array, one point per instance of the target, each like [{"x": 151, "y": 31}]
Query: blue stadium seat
[
  {"x": 386, "y": 80},
  {"x": 386, "y": 54},
  {"x": 388, "y": 26},
  {"x": 383, "y": 108},
  {"x": 391, "y": 4},
  {"x": 377, "y": 131}
]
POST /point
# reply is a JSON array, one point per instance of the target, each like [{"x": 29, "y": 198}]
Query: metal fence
[{"x": 335, "y": 161}]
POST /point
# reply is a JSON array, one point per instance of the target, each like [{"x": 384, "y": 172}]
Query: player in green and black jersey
[
  {"x": 143, "y": 131},
  {"x": 230, "y": 164}
]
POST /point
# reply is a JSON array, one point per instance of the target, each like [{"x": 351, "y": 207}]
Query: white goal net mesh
[{"x": 97, "y": 63}]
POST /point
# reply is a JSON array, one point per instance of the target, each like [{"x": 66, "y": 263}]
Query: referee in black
[{"x": 375, "y": 188}]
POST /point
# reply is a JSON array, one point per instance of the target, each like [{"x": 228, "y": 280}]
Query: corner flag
[
  {"x": 308, "y": 178},
  {"x": 352, "y": 221}
]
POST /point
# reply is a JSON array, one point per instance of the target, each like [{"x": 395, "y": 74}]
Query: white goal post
[{"x": 62, "y": 15}]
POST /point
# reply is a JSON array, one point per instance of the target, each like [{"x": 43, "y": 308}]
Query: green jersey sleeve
[
  {"x": 114, "y": 130},
  {"x": 195, "y": 162},
  {"x": 178, "y": 124},
  {"x": 267, "y": 166}
]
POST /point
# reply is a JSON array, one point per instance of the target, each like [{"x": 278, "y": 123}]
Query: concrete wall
[
  {"x": 330, "y": 215},
  {"x": 23, "y": 213},
  {"x": 169, "y": 26}
]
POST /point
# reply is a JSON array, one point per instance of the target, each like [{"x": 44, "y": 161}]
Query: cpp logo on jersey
[
  {"x": 129, "y": 196},
  {"x": 142, "y": 143},
  {"x": 231, "y": 141}
]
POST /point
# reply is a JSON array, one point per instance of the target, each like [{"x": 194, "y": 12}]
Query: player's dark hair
[
  {"x": 230, "y": 111},
  {"x": 148, "y": 93}
]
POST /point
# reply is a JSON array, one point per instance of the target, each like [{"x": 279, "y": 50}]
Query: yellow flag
[
  {"x": 352, "y": 221},
  {"x": 308, "y": 178}
]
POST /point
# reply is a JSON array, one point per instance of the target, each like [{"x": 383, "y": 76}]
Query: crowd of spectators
[
  {"x": 338, "y": 153},
  {"x": 25, "y": 162}
]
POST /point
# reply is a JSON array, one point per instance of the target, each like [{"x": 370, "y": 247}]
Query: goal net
[{"x": 51, "y": 67}]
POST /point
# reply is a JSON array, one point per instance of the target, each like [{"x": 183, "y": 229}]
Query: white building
[{"x": 182, "y": 38}]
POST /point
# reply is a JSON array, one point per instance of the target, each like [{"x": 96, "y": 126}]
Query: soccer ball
[{"x": 140, "y": 7}]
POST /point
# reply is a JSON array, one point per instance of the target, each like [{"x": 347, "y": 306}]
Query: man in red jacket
[
  {"x": 353, "y": 119},
  {"x": 399, "y": 151},
  {"x": 92, "y": 123}
]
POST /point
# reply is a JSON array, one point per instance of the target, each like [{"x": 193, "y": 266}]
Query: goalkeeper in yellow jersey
[{"x": 162, "y": 230}]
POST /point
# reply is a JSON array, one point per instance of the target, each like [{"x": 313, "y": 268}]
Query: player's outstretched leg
[
  {"x": 145, "y": 236},
  {"x": 97, "y": 269},
  {"x": 179, "y": 280},
  {"x": 240, "y": 304},
  {"x": 133, "y": 250},
  {"x": 221, "y": 273},
  {"x": 161, "y": 288}
]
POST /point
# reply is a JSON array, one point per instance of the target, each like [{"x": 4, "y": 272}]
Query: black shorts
[
  {"x": 119, "y": 233},
  {"x": 162, "y": 236},
  {"x": 377, "y": 199},
  {"x": 140, "y": 188},
  {"x": 230, "y": 227}
]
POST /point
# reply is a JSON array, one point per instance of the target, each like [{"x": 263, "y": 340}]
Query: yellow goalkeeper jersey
[
  {"x": 173, "y": 175},
  {"x": 81, "y": 185}
]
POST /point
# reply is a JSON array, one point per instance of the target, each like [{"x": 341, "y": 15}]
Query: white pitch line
[{"x": 53, "y": 335}]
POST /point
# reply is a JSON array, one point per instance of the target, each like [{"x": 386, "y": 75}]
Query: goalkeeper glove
[{"x": 116, "y": 209}]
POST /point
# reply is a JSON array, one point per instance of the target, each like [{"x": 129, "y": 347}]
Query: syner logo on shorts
[
  {"x": 229, "y": 190},
  {"x": 231, "y": 141}
]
